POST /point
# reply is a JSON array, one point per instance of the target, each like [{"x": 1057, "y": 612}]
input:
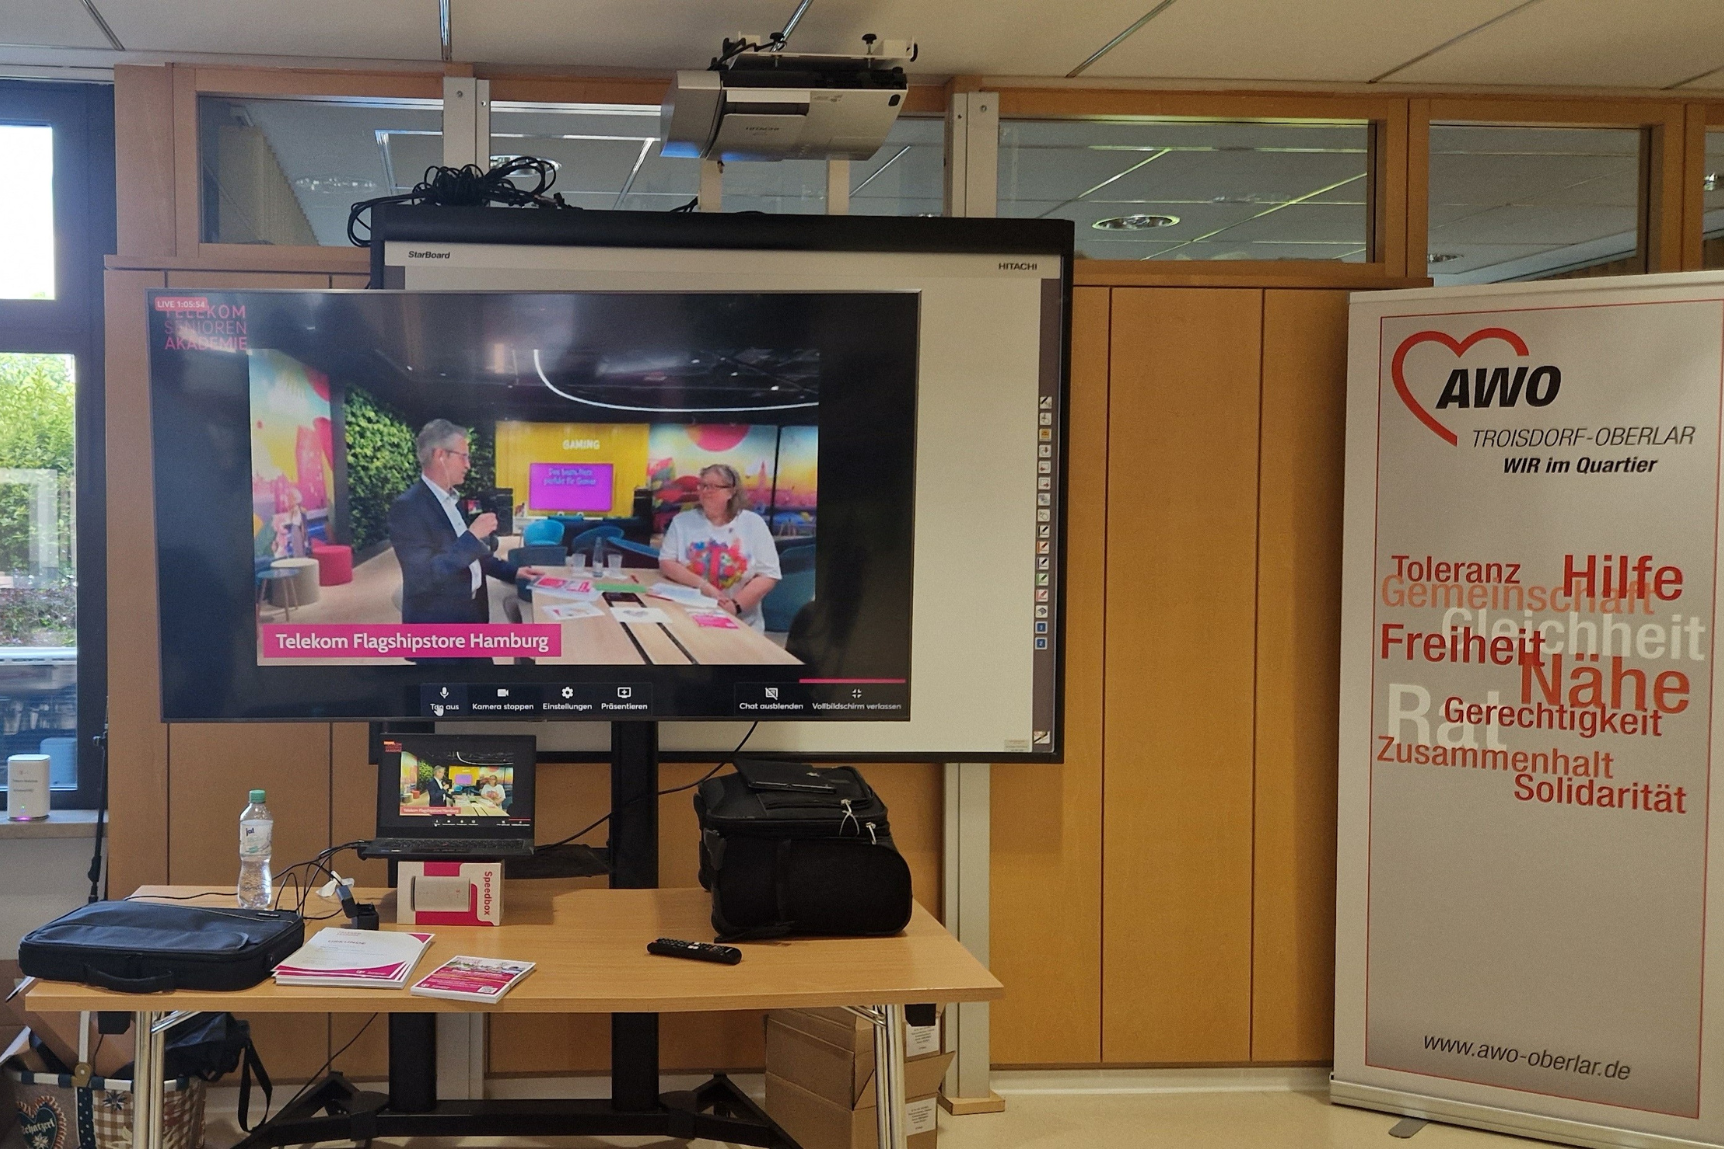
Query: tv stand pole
[{"x": 634, "y": 866}]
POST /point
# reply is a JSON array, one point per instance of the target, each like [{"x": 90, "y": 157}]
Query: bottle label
[{"x": 254, "y": 839}]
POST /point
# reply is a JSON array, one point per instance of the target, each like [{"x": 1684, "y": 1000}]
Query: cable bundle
[{"x": 469, "y": 187}]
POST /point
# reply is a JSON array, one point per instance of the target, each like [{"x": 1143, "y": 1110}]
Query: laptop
[{"x": 443, "y": 797}]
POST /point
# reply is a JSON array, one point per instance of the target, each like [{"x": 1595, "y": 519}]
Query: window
[
  {"x": 287, "y": 171},
  {"x": 27, "y": 206},
  {"x": 1712, "y": 223},
  {"x": 606, "y": 154},
  {"x": 1166, "y": 189},
  {"x": 38, "y": 563},
  {"x": 1513, "y": 203},
  {"x": 57, "y": 223}
]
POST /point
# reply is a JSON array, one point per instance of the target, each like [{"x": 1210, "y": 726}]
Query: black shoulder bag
[{"x": 788, "y": 849}]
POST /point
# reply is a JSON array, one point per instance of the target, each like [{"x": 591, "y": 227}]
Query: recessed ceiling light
[
  {"x": 1134, "y": 222},
  {"x": 499, "y": 161},
  {"x": 1442, "y": 256},
  {"x": 334, "y": 184}
]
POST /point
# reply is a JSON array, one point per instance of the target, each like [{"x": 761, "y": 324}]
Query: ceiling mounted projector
[{"x": 759, "y": 102}]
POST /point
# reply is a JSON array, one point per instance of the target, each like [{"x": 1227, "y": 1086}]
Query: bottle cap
[{"x": 257, "y": 797}]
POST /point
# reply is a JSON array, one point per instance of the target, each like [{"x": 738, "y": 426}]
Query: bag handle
[
  {"x": 161, "y": 981},
  {"x": 250, "y": 1063}
]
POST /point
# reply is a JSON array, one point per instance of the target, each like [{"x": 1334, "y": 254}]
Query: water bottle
[{"x": 256, "y": 827}]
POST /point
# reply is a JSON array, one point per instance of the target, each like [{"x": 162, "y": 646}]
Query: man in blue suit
[{"x": 444, "y": 559}]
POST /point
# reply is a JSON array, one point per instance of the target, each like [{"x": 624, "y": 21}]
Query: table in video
[{"x": 674, "y": 638}]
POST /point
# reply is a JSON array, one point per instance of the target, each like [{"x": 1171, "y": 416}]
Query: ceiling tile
[
  {"x": 334, "y": 29},
  {"x": 958, "y": 37},
  {"x": 52, "y": 23},
  {"x": 1336, "y": 40},
  {"x": 1649, "y": 44}
]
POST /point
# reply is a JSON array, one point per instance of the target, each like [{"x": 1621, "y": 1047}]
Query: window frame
[
  {"x": 1387, "y": 170},
  {"x": 1663, "y": 241},
  {"x": 190, "y": 83},
  {"x": 82, "y": 118}
]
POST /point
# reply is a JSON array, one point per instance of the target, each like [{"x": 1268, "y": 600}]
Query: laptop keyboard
[{"x": 469, "y": 847}]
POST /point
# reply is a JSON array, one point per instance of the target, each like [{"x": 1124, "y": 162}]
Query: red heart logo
[{"x": 1459, "y": 347}]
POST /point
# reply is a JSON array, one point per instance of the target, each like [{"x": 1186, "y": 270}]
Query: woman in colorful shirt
[{"x": 721, "y": 548}]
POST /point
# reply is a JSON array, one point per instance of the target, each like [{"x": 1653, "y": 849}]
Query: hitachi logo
[{"x": 1014, "y": 265}]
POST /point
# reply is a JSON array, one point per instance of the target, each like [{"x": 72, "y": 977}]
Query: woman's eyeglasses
[{"x": 717, "y": 487}]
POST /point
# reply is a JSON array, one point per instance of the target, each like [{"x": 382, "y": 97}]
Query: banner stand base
[{"x": 1501, "y": 1120}]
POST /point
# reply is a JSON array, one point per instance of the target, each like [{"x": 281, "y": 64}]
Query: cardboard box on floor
[
  {"x": 817, "y": 1123},
  {"x": 840, "y": 1075},
  {"x": 844, "y": 1029}
]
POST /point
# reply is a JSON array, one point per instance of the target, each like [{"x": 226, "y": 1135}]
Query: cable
[
  {"x": 468, "y": 186},
  {"x": 96, "y": 873},
  {"x": 178, "y": 897},
  {"x": 722, "y": 763},
  {"x": 317, "y": 1077}
]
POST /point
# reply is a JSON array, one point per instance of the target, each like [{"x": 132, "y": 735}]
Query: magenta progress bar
[{"x": 849, "y": 681}]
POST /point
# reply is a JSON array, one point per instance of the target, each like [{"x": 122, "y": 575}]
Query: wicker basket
[{"x": 55, "y": 1113}]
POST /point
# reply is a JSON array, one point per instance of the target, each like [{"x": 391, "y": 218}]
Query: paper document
[
  {"x": 639, "y": 614},
  {"x": 686, "y": 595},
  {"x": 565, "y": 611},
  {"x": 472, "y": 979},
  {"x": 373, "y": 959}
]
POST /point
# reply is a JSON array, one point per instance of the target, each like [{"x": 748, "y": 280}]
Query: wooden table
[
  {"x": 590, "y": 950},
  {"x": 603, "y": 641}
]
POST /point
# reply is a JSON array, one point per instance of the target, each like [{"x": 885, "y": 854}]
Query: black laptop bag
[
  {"x": 787, "y": 849},
  {"x": 144, "y": 947}
]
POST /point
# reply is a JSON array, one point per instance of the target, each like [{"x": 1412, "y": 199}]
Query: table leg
[
  {"x": 148, "y": 1044},
  {"x": 889, "y": 1075},
  {"x": 412, "y": 1063}
]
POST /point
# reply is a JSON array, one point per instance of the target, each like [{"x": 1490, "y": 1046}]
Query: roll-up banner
[{"x": 1527, "y": 737}]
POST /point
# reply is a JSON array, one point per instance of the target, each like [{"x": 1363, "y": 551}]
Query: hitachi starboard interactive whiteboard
[{"x": 985, "y": 639}]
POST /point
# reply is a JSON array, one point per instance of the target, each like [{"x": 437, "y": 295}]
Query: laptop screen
[{"x": 459, "y": 786}]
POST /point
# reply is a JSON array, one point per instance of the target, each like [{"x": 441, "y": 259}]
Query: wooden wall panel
[
  {"x": 1298, "y": 674},
  {"x": 138, "y": 741},
  {"x": 1046, "y": 826},
  {"x": 240, "y": 280},
  {"x": 211, "y": 767},
  {"x": 1181, "y": 582},
  {"x": 144, "y": 159}
]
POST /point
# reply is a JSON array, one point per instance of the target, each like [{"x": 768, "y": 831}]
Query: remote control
[{"x": 695, "y": 951}]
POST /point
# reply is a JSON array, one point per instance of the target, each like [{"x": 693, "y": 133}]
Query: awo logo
[{"x": 1494, "y": 385}]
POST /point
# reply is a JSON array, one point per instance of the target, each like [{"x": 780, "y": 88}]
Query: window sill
[{"x": 58, "y": 824}]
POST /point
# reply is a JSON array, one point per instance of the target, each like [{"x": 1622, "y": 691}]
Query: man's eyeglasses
[{"x": 464, "y": 456}]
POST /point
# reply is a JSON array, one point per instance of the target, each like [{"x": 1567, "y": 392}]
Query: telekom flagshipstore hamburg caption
[{"x": 1541, "y": 696}]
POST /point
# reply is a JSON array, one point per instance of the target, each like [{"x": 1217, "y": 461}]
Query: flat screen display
[
  {"x": 836, "y": 453},
  {"x": 454, "y": 790},
  {"x": 569, "y": 487},
  {"x": 433, "y": 785},
  {"x": 535, "y": 504}
]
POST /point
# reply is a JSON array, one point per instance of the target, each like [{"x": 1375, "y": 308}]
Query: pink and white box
[{"x": 449, "y": 893}]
